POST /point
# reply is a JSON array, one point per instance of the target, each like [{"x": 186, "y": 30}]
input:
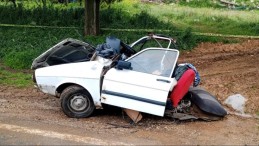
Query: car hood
[{"x": 66, "y": 51}]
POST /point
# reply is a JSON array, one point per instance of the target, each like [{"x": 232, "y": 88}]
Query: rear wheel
[{"x": 76, "y": 102}]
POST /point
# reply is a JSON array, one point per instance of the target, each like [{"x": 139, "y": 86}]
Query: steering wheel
[{"x": 127, "y": 50}]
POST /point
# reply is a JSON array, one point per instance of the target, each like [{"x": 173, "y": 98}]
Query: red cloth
[{"x": 182, "y": 87}]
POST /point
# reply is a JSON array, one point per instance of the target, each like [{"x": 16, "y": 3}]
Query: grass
[
  {"x": 51, "y": 16},
  {"x": 210, "y": 20},
  {"x": 20, "y": 45},
  {"x": 133, "y": 14},
  {"x": 17, "y": 79},
  {"x": 179, "y": 17}
]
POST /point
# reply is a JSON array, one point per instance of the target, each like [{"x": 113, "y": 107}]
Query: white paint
[
  {"x": 63, "y": 136},
  {"x": 137, "y": 84},
  {"x": 103, "y": 61},
  {"x": 85, "y": 74}
]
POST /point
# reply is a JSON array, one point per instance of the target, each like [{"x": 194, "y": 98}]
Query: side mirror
[{"x": 123, "y": 65}]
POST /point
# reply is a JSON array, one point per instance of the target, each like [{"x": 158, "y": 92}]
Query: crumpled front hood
[{"x": 66, "y": 51}]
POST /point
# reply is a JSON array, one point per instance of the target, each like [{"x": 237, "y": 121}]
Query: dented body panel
[
  {"x": 85, "y": 74},
  {"x": 137, "y": 91},
  {"x": 120, "y": 77}
]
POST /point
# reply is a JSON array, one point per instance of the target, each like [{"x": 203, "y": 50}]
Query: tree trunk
[
  {"x": 44, "y": 3},
  {"x": 80, "y": 2},
  {"x": 97, "y": 11},
  {"x": 91, "y": 17},
  {"x": 14, "y": 3},
  {"x": 66, "y": 2}
]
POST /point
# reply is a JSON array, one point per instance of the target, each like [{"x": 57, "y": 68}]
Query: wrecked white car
[{"x": 113, "y": 73}]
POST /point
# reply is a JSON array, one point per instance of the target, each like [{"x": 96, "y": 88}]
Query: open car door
[{"x": 145, "y": 87}]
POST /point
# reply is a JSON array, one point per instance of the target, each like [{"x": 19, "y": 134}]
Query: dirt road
[{"x": 27, "y": 116}]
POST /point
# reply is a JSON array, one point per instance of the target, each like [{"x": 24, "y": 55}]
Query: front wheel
[{"x": 76, "y": 102}]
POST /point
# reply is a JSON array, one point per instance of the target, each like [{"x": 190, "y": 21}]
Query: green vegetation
[
  {"x": 50, "y": 16},
  {"x": 221, "y": 21},
  {"x": 240, "y": 4},
  {"x": 17, "y": 79},
  {"x": 201, "y": 16},
  {"x": 21, "y": 44}
]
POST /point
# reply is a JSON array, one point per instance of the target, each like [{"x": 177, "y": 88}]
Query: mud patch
[{"x": 225, "y": 69}]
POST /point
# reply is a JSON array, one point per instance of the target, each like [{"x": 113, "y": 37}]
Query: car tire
[{"x": 76, "y": 102}]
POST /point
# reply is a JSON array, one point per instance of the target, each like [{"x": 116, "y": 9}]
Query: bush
[
  {"x": 117, "y": 18},
  {"x": 22, "y": 45},
  {"x": 186, "y": 40},
  {"x": 53, "y": 16},
  {"x": 19, "y": 60},
  {"x": 49, "y": 16},
  {"x": 254, "y": 27}
]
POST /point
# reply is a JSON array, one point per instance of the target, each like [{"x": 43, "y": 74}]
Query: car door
[{"x": 146, "y": 86}]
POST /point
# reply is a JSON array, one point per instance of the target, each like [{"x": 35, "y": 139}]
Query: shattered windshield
[{"x": 155, "y": 61}]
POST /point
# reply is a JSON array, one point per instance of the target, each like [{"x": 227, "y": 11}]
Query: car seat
[{"x": 182, "y": 87}]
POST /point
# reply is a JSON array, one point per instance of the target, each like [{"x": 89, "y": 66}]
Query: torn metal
[{"x": 140, "y": 78}]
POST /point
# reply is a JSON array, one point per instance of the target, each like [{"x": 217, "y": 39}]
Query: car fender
[{"x": 85, "y": 74}]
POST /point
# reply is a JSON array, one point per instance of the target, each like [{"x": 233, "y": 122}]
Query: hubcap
[{"x": 78, "y": 103}]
